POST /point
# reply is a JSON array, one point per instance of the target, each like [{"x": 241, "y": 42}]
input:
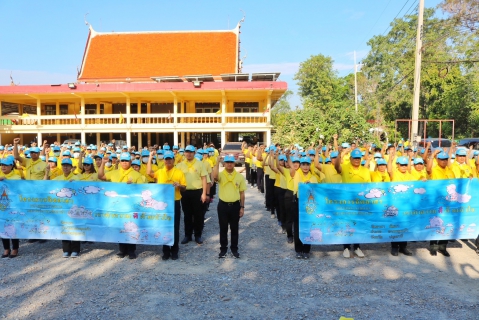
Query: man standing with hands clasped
[{"x": 230, "y": 205}]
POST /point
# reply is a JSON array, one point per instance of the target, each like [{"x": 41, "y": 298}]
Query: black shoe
[
  {"x": 235, "y": 254},
  {"x": 306, "y": 255},
  {"x": 222, "y": 254},
  {"x": 174, "y": 256},
  {"x": 165, "y": 256},
  {"x": 198, "y": 240},
  {"x": 433, "y": 252},
  {"x": 132, "y": 255},
  {"x": 185, "y": 240},
  {"x": 444, "y": 253},
  {"x": 290, "y": 239},
  {"x": 394, "y": 251},
  {"x": 120, "y": 255},
  {"x": 42, "y": 241},
  {"x": 299, "y": 255},
  {"x": 6, "y": 255},
  {"x": 268, "y": 209},
  {"x": 405, "y": 251},
  {"x": 32, "y": 240}
]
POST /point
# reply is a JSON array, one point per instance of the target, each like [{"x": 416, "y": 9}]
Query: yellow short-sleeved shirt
[
  {"x": 178, "y": 158},
  {"x": 89, "y": 176},
  {"x": 169, "y": 176},
  {"x": 71, "y": 176},
  {"x": 419, "y": 175},
  {"x": 289, "y": 179},
  {"x": 193, "y": 170},
  {"x": 277, "y": 179},
  {"x": 330, "y": 173},
  {"x": 377, "y": 176},
  {"x": 407, "y": 176},
  {"x": 11, "y": 176},
  {"x": 439, "y": 173},
  {"x": 246, "y": 158},
  {"x": 230, "y": 186},
  {"x": 349, "y": 174},
  {"x": 148, "y": 178},
  {"x": 259, "y": 163},
  {"x": 300, "y": 177},
  {"x": 35, "y": 170},
  {"x": 122, "y": 175},
  {"x": 57, "y": 171},
  {"x": 463, "y": 170}
]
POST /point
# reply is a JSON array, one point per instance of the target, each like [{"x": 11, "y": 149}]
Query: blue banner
[
  {"x": 389, "y": 211},
  {"x": 87, "y": 211}
]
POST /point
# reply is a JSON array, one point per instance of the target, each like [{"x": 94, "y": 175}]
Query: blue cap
[
  {"x": 200, "y": 151},
  {"x": 113, "y": 155},
  {"x": 77, "y": 143},
  {"x": 66, "y": 153},
  {"x": 363, "y": 153},
  {"x": 125, "y": 147},
  {"x": 356, "y": 153},
  {"x": 137, "y": 153},
  {"x": 56, "y": 148},
  {"x": 305, "y": 160},
  {"x": 175, "y": 147},
  {"x": 94, "y": 148},
  {"x": 110, "y": 144},
  {"x": 377, "y": 155},
  {"x": 440, "y": 149},
  {"x": 43, "y": 158},
  {"x": 211, "y": 149},
  {"x": 229, "y": 158},
  {"x": 2, "y": 148},
  {"x": 100, "y": 155},
  {"x": 302, "y": 154},
  {"x": 181, "y": 150},
  {"x": 453, "y": 156},
  {"x": 69, "y": 147},
  {"x": 159, "y": 152},
  {"x": 461, "y": 152},
  {"x": 8, "y": 161},
  {"x": 282, "y": 157},
  {"x": 324, "y": 148},
  {"x": 102, "y": 149},
  {"x": 363, "y": 162},
  {"x": 418, "y": 161},
  {"x": 76, "y": 149},
  {"x": 345, "y": 145},
  {"x": 402, "y": 160},
  {"x": 144, "y": 153},
  {"x": 9, "y": 148},
  {"x": 381, "y": 162},
  {"x": 88, "y": 147},
  {"x": 190, "y": 148},
  {"x": 52, "y": 159},
  {"x": 443, "y": 156},
  {"x": 266, "y": 149},
  {"x": 311, "y": 152},
  {"x": 136, "y": 162},
  {"x": 198, "y": 156},
  {"x": 166, "y": 148},
  {"x": 327, "y": 160},
  {"x": 108, "y": 152},
  {"x": 169, "y": 155},
  {"x": 334, "y": 154},
  {"x": 67, "y": 161},
  {"x": 27, "y": 152},
  {"x": 476, "y": 153},
  {"x": 87, "y": 160},
  {"x": 295, "y": 159},
  {"x": 125, "y": 156},
  {"x": 35, "y": 149}
]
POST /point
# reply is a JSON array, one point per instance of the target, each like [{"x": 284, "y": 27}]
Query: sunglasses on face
[
  {"x": 125, "y": 161},
  {"x": 403, "y": 165}
]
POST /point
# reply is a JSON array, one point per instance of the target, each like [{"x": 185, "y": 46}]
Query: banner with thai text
[
  {"x": 87, "y": 211},
  {"x": 389, "y": 211}
]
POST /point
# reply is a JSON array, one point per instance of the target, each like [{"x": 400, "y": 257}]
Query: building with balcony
[{"x": 182, "y": 87}]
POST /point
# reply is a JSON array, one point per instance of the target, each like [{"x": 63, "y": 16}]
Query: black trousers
[
  {"x": 15, "y": 244},
  {"x": 438, "y": 244},
  {"x": 288, "y": 212},
  {"x": 71, "y": 246},
  {"x": 213, "y": 190},
  {"x": 299, "y": 247},
  {"x": 248, "y": 172},
  {"x": 174, "y": 247},
  {"x": 228, "y": 214},
  {"x": 194, "y": 212},
  {"x": 260, "y": 179},
  {"x": 268, "y": 191},
  {"x": 279, "y": 201},
  {"x": 399, "y": 244},
  {"x": 253, "y": 177},
  {"x": 127, "y": 247}
]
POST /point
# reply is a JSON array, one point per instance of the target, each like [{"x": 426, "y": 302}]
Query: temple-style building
[{"x": 176, "y": 86}]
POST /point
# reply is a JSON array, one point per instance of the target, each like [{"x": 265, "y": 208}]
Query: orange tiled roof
[{"x": 148, "y": 54}]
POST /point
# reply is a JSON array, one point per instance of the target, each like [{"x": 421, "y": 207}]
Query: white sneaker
[
  {"x": 346, "y": 253},
  {"x": 359, "y": 253}
]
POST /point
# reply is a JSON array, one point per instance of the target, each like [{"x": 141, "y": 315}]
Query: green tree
[{"x": 281, "y": 107}]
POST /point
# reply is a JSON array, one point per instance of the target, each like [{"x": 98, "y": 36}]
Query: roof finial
[
  {"x": 12, "y": 83},
  {"x": 86, "y": 22},
  {"x": 242, "y": 20}
]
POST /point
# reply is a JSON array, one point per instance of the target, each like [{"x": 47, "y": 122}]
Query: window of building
[
  {"x": 9, "y": 108},
  {"x": 158, "y": 107},
  {"x": 91, "y": 108},
  {"x": 134, "y": 108},
  {"x": 63, "y": 109},
  {"x": 207, "y": 107},
  {"x": 50, "y": 110},
  {"x": 246, "y": 107}
]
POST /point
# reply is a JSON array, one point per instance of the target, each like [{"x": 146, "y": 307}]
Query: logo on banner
[{"x": 4, "y": 199}]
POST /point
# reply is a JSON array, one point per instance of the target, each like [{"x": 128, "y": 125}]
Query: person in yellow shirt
[
  {"x": 419, "y": 170},
  {"x": 247, "y": 160},
  {"x": 352, "y": 172},
  {"x": 260, "y": 155},
  {"x": 87, "y": 169},
  {"x": 124, "y": 174},
  {"x": 461, "y": 167},
  {"x": 231, "y": 204},
  {"x": 136, "y": 165},
  {"x": 169, "y": 174},
  {"x": 8, "y": 173},
  {"x": 195, "y": 195},
  {"x": 145, "y": 156},
  {"x": 381, "y": 173}
]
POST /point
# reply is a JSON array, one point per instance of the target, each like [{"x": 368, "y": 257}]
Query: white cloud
[
  {"x": 91, "y": 189},
  {"x": 33, "y": 77},
  {"x": 65, "y": 193},
  {"x": 401, "y": 188},
  {"x": 420, "y": 190},
  {"x": 111, "y": 194},
  {"x": 374, "y": 193}
]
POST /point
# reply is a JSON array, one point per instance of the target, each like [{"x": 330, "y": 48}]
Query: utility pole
[
  {"x": 417, "y": 73},
  {"x": 355, "y": 83}
]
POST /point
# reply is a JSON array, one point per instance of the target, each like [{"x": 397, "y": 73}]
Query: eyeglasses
[
  {"x": 403, "y": 165},
  {"x": 125, "y": 161},
  {"x": 305, "y": 164},
  {"x": 457, "y": 156}
]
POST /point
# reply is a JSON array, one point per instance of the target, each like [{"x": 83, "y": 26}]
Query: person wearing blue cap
[
  {"x": 124, "y": 174},
  {"x": 169, "y": 174},
  {"x": 269, "y": 181},
  {"x": 419, "y": 170},
  {"x": 251, "y": 154},
  {"x": 8, "y": 173},
  {"x": 259, "y": 156},
  {"x": 145, "y": 156},
  {"x": 231, "y": 204},
  {"x": 461, "y": 167},
  {"x": 87, "y": 169},
  {"x": 247, "y": 149},
  {"x": 178, "y": 154},
  {"x": 380, "y": 174},
  {"x": 352, "y": 172},
  {"x": 194, "y": 197}
]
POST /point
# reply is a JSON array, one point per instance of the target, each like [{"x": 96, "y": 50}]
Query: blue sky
[{"x": 42, "y": 42}]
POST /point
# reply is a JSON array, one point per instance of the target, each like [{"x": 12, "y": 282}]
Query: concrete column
[
  {"x": 268, "y": 107},
  {"x": 149, "y": 136},
  {"x": 188, "y": 138},
  {"x": 223, "y": 138},
  {"x": 82, "y": 113},
  {"x": 128, "y": 138},
  {"x": 128, "y": 112},
  {"x": 98, "y": 141},
  {"x": 110, "y": 137},
  {"x": 57, "y": 108},
  {"x": 140, "y": 141},
  {"x": 83, "y": 138},
  {"x": 183, "y": 142},
  {"x": 39, "y": 113},
  {"x": 39, "y": 139},
  {"x": 59, "y": 138},
  {"x": 175, "y": 112},
  {"x": 223, "y": 107},
  {"x": 98, "y": 107},
  {"x": 268, "y": 137},
  {"x": 175, "y": 137}
]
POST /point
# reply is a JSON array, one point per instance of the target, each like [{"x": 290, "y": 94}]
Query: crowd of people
[
  {"x": 283, "y": 168},
  {"x": 275, "y": 171}
]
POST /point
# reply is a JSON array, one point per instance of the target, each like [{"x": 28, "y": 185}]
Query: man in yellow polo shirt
[
  {"x": 124, "y": 174},
  {"x": 194, "y": 197},
  {"x": 461, "y": 167},
  {"x": 232, "y": 186},
  {"x": 171, "y": 175}
]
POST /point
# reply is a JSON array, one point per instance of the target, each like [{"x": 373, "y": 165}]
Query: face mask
[
  {"x": 108, "y": 164},
  {"x": 56, "y": 154},
  {"x": 153, "y": 161},
  {"x": 181, "y": 153},
  {"x": 211, "y": 154},
  {"x": 76, "y": 155},
  {"x": 160, "y": 157},
  {"x": 144, "y": 159}
]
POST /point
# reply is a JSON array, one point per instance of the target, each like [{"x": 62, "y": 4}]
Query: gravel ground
[{"x": 267, "y": 282}]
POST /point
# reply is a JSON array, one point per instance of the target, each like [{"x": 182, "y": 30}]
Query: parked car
[
  {"x": 436, "y": 143},
  {"x": 71, "y": 141},
  {"x": 468, "y": 142},
  {"x": 232, "y": 148}
]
